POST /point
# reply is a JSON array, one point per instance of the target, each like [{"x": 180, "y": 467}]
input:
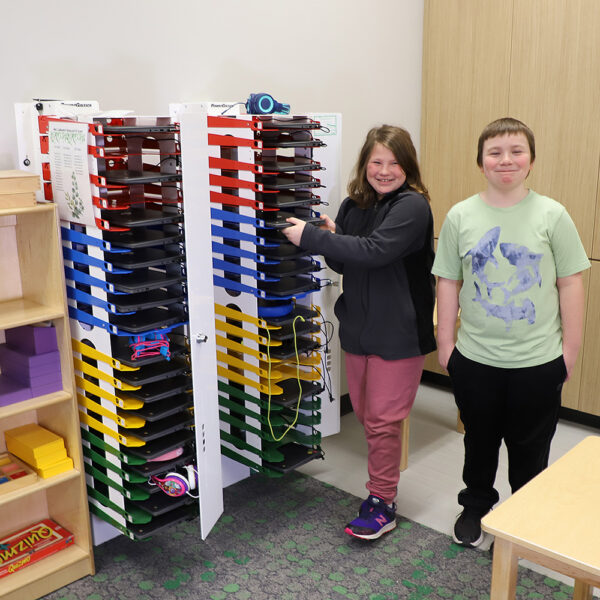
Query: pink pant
[{"x": 382, "y": 393}]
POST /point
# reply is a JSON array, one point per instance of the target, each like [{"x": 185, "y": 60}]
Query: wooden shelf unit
[{"x": 33, "y": 292}]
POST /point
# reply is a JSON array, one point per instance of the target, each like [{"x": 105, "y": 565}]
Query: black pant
[{"x": 518, "y": 405}]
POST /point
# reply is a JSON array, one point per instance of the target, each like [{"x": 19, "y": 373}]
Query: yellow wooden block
[
  {"x": 56, "y": 468},
  {"x": 33, "y": 440},
  {"x": 40, "y": 459}
]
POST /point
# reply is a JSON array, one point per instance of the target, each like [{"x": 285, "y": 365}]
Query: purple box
[
  {"x": 39, "y": 363},
  {"x": 45, "y": 389},
  {"x": 32, "y": 339},
  {"x": 11, "y": 391},
  {"x": 32, "y": 378}
]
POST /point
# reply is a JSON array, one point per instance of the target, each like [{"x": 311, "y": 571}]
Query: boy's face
[{"x": 506, "y": 161}]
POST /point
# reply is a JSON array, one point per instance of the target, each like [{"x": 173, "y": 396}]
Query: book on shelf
[{"x": 30, "y": 544}]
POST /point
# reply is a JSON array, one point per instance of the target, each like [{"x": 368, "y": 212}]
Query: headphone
[
  {"x": 265, "y": 104},
  {"x": 175, "y": 484}
]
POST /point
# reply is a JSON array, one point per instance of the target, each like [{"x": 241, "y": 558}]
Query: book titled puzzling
[{"x": 26, "y": 546}]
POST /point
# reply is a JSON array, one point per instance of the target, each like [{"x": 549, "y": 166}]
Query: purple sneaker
[{"x": 374, "y": 519}]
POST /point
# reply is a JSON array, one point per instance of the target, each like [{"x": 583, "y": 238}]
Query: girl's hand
[
  {"x": 294, "y": 233},
  {"x": 329, "y": 224}
]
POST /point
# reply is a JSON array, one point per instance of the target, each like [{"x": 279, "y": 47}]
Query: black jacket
[{"x": 385, "y": 254}]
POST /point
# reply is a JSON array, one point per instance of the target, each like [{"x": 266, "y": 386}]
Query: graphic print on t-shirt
[{"x": 526, "y": 274}]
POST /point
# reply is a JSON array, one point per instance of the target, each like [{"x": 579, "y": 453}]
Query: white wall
[{"x": 361, "y": 59}]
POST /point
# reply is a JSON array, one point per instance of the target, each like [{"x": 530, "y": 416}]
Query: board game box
[{"x": 26, "y": 546}]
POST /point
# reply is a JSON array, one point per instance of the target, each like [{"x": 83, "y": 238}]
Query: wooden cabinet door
[
  {"x": 573, "y": 389},
  {"x": 554, "y": 88},
  {"x": 589, "y": 398},
  {"x": 466, "y": 64}
]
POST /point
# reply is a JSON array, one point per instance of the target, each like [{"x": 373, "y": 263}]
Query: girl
[
  {"x": 519, "y": 258},
  {"x": 382, "y": 244}
]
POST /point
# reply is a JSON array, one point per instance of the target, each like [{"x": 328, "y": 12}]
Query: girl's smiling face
[{"x": 384, "y": 174}]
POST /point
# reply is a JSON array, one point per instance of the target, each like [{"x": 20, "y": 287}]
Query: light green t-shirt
[{"x": 508, "y": 260}]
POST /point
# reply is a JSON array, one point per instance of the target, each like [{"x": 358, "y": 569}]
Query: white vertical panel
[
  {"x": 330, "y": 156},
  {"x": 201, "y": 311}
]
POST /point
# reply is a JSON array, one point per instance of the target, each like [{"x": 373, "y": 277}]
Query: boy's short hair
[{"x": 505, "y": 126}]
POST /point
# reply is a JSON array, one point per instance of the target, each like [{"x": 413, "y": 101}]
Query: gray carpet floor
[{"x": 283, "y": 539}]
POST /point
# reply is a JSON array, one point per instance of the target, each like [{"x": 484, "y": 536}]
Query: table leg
[
  {"x": 582, "y": 591},
  {"x": 504, "y": 571}
]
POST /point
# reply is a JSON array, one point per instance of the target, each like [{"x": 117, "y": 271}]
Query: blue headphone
[{"x": 265, "y": 104}]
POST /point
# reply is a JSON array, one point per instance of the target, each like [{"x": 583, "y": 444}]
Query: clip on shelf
[{"x": 71, "y": 235}]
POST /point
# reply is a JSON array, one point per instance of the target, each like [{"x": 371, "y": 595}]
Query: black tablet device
[
  {"x": 287, "y": 268},
  {"x": 288, "y": 286},
  {"x": 282, "y": 122},
  {"x": 164, "y": 408},
  {"x": 142, "y": 280},
  {"x": 298, "y": 311},
  {"x": 288, "y": 349},
  {"x": 278, "y": 220},
  {"x": 288, "y": 181},
  {"x": 145, "y": 320},
  {"x": 165, "y": 521},
  {"x": 291, "y": 331},
  {"x": 143, "y": 257},
  {"x": 128, "y": 177},
  {"x": 162, "y": 445},
  {"x": 287, "y": 164},
  {"x": 295, "y": 455},
  {"x": 154, "y": 430},
  {"x": 140, "y": 217},
  {"x": 288, "y": 139},
  {"x": 153, "y": 392},
  {"x": 284, "y": 251},
  {"x": 142, "y": 237},
  {"x": 138, "y": 129},
  {"x": 126, "y": 303},
  {"x": 153, "y": 373},
  {"x": 294, "y": 389},
  {"x": 288, "y": 199}
]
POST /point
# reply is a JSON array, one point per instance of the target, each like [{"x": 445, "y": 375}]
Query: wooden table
[{"x": 553, "y": 521}]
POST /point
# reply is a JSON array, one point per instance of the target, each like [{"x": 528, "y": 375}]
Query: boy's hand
[{"x": 444, "y": 352}]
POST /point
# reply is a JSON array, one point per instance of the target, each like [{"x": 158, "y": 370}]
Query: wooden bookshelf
[{"x": 33, "y": 292}]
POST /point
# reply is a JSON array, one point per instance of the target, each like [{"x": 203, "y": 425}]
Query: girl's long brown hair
[{"x": 397, "y": 140}]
